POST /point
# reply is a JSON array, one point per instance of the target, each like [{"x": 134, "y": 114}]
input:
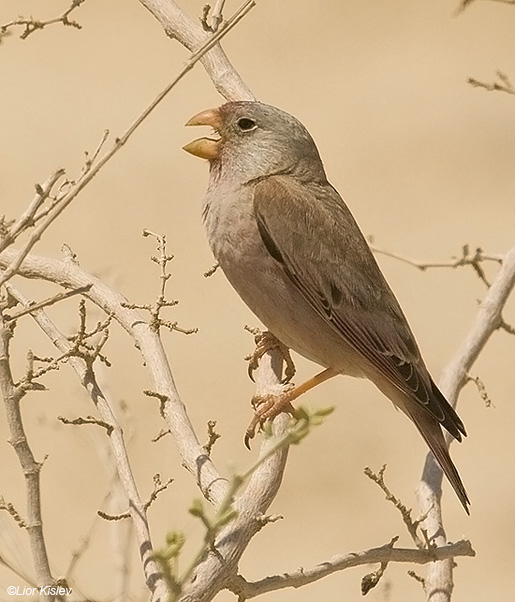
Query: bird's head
[{"x": 254, "y": 140}]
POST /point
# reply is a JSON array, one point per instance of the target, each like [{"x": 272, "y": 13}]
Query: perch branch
[{"x": 212, "y": 574}]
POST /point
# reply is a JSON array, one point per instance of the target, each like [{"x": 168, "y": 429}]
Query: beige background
[{"x": 426, "y": 163}]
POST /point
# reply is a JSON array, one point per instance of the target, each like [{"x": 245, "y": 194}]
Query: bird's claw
[
  {"x": 267, "y": 407},
  {"x": 265, "y": 341}
]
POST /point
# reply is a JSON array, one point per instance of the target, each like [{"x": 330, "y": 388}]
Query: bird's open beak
[{"x": 206, "y": 148}]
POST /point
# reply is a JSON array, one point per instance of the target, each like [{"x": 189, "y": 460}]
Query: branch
[
  {"x": 178, "y": 26},
  {"x": 70, "y": 275},
  {"x": 411, "y": 525},
  {"x": 88, "y": 380},
  {"x": 28, "y": 218},
  {"x": 212, "y": 574},
  {"x": 31, "y": 25},
  {"x": 91, "y": 169},
  {"x": 250, "y": 589},
  {"x": 32, "y": 306},
  {"x": 162, "y": 261},
  {"x": 464, "y": 3},
  {"x": 488, "y": 319},
  {"x": 503, "y": 85},
  {"x": 31, "y": 469},
  {"x": 467, "y": 258}
]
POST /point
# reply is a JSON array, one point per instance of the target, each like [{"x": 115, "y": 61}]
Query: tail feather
[
  {"x": 431, "y": 431},
  {"x": 451, "y": 421}
]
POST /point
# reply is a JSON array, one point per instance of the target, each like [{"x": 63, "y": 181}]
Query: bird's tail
[{"x": 431, "y": 431}]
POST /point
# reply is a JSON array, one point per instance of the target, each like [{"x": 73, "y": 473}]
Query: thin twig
[
  {"x": 28, "y": 218},
  {"x": 156, "y": 322},
  {"x": 8, "y": 507},
  {"x": 212, "y": 436},
  {"x": 503, "y": 85},
  {"x": 47, "y": 302},
  {"x": 217, "y": 14},
  {"x": 31, "y": 25},
  {"x": 88, "y": 175},
  {"x": 79, "y": 421},
  {"x": 467, "y": 258},
  {"x": 411, "y": 525}
]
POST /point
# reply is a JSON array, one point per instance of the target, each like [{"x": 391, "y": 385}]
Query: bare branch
[
  {"x": 113, "y": 517},
  {"x": 149, "y": 343},
  {"x": 46, "y": 303},
  {"x": 88, "y": 380},
  {"x": 386, "y": 553},
  {"x": 156, "y": 322},
  {"x": 162, "y": 433},
  {"x": 190, "y": 34},
  {"x": 212, "y": 270},
  {"x": 31, "y": 468},
  {"x": 503, "y": 85},
  {"x": 507, "y": 327},
  {"x": 217, "y": 14},
  {"x": 31, "y": 25},
  {"x": 411, "y": 525},
  {"x": 79, "y": 421},
  {"x": 13, "y": 512},
  {"x": 467, "y": 258},
  {"x": 488, "y": 319},
  {"x": 418, "y": 578},
  {"x": 212, "y": 435},
  {"x": 89, "y": 174},
  {"x": 28, "y": 218},
  {"x": 481, "y": 389},
  {"x": 159, "y": 487}
]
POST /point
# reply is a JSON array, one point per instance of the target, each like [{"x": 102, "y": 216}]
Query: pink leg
[{"x": 270, "y": 405}]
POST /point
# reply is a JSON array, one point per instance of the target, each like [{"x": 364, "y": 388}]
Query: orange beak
[{"x": 205, "y": 148}]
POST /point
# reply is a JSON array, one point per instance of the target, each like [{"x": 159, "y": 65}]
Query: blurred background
[{"x": 424, "y": 160}]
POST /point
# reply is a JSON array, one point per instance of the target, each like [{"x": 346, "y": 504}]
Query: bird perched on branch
[{"x": 291, "y": 248}]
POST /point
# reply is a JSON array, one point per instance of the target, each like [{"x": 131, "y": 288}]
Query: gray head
[{"x": 256, "y": 140}]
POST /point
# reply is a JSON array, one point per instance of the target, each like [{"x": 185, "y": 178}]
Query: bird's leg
[
  {"x": 264, "y": 342},
  {"x": 268, "y": 406}
]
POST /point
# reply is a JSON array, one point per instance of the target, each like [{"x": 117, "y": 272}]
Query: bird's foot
[
  {"x": 268, "y": 407},
  {"x": 265, "y": 341}
]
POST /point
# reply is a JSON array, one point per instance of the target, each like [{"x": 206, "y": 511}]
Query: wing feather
[{"x": 339, "y": 277}]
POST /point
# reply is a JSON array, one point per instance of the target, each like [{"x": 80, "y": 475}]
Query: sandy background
[{"x": 425, "y": 162}]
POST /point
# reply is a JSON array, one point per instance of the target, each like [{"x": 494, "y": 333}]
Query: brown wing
[{"x": 338, "y": 276}]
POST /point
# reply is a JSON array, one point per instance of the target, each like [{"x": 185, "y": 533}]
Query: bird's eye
[{"x": 246, "y": 124}]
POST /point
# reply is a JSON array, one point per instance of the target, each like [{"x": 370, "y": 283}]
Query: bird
[{"x": 291, "y": 248}]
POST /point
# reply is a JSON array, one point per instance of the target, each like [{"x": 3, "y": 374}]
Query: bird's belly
[{"x": 275, "y": 300}]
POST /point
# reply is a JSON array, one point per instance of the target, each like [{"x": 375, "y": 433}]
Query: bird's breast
[{"x": 263, "y": 285}]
